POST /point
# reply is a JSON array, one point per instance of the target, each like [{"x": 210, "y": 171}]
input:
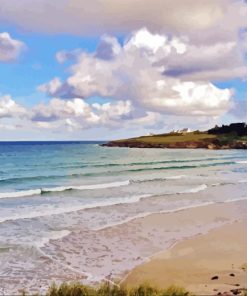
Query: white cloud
[
  {"x": 58, "y": 109},
  {"x": 189, "y": 98},
  {"x": 136, "y": 72},
  {"x": 108, "y": 48},
  {"x": 157, "y": 76},
  {"x": 63, "y": 56},
  {"x": 9, "y": 108},
  {"x": 52, "y": 86},
  {"x": 71, "y": 115},
  {"x": 10, "y": 49},
  {"x": 76, "y": 113},
  {"x": 218, "y": 61}
]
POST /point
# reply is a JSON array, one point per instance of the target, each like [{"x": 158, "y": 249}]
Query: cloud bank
[
  {"x": 137, "y": 72},
  {"x": 164, "y": 71},
  {"x": 132, "y": 78},
  {"x": 110, "y": 16}
]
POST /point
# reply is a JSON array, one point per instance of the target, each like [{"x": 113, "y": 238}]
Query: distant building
[
  {"x": 182, "y": 131},
  {"x": 185, "y": 130}
]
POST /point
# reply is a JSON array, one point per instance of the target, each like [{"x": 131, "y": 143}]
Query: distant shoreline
[
  {"x": 233, "y": 136},
  {"x": 50, "y": 142}
]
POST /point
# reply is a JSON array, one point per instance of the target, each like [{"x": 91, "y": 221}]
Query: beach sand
[
  {"x": 193, "y": 263},
  {"x": 202, "y": 241}
]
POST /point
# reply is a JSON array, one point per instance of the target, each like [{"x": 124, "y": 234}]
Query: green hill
[{"x": 233, "y": 136}]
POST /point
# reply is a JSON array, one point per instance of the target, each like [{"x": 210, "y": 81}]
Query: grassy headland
[{"x": 233, "y": 136}]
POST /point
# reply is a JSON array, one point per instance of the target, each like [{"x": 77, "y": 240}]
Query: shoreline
[
  {"x": 183, "y": 263},
  {"x": 205, "y": 212},
  {"x": 142, "y": 240}
]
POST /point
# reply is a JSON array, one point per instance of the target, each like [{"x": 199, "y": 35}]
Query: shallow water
[{"x": 60, "y": 204}]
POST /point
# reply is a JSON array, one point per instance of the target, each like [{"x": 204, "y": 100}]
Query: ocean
[{"x": 63, "y": 204}]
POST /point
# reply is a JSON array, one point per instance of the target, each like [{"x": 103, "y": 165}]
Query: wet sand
[
  {"x": 192, "y": 263},
  {"x": 90, "y": 256}
]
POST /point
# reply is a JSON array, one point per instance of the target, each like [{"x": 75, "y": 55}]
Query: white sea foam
[
  {"x": 56, "y": 211},
  {"x": 242, "y": 181},
  {"x": 241, "y": 161},
  {"x": 195, "y": 189},
  {"x": 176, "y": 177},
  {"x": 126, "y": 200},
  {"x": 20, "y": 193},
  {"x": 233, "y": 200},
  {"x": 66, "y": 266},
  {"x": 143, "y": 215},
  {"x": 54, "y": 235},
  {"x": 32, "y": 192},
  {"x": 41, "y": 212}
]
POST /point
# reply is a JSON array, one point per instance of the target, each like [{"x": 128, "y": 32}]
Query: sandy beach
[
  {"x": 206, "y": 264},
  {"x": 123, "y": 147},
  {"x": 115, "y": 214},
  {"x": 186, "y": 248}
]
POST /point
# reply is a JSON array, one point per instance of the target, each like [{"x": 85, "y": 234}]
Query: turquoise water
[
  {"x": 30, "y": 166},
  {"x": 58, "y": 196},
  {"x": 45, "y": 178}
]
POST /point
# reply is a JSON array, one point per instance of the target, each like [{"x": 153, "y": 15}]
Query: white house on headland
[
  {"x": 185, "y": 130},
  {"x": 182, "y": 131}
]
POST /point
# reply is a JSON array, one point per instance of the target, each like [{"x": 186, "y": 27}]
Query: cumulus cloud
[
  {"x": 76, "y": 113},
  {"x": 64, "y": 56},
  {"x": 218, "y": 61},
  {"x": 10, "y": 109},
  {"x": 52, "y": 86},
  {"x": 154, "y": 77},
  {"x": 108, "y": 48},
  {"x": 10, "y": 49},
  {"x": 71, "y": 115},
  {"x": 58, "y": 109},
  {"x": 137, "y": 72}
]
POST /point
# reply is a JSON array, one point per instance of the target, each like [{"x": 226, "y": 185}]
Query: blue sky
[
  {"x": 38, "y": 64},
  {"x": 119, "y": 82}
]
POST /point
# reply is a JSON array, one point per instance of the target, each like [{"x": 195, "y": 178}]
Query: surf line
[{"x": 81, "y": 273}]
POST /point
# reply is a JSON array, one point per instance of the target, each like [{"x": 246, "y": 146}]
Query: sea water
[{"x": 59, "y": 200}]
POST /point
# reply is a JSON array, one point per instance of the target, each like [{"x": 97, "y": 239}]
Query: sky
[{"x": 109, "y": 69}]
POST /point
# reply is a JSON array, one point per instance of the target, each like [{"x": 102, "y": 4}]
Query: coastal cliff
[{"x": 233, "y": 136}]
